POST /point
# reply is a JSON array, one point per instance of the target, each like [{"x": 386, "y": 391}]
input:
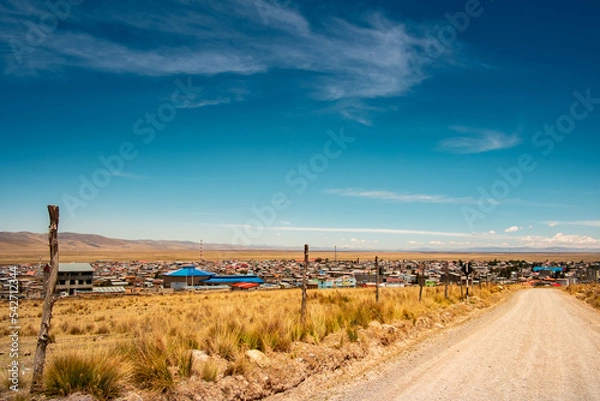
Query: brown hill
[{"x": 26, "y": 241}]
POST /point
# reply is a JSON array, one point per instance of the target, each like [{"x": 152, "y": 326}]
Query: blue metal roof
[
  {"x": 554, "y": 269},
  {"x": 189, "y": 271},
  {"x": 233, "y": 279}
]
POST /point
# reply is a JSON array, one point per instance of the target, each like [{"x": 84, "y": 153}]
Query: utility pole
[
  {"x": 303, "y": 306},
  {"x": 377, "y": 280},
  {"x": 43, "y": 338}
]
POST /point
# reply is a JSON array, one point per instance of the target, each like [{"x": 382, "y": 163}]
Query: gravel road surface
[{"x": 542, "y": 344}]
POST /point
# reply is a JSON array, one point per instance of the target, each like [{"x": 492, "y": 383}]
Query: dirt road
[{"x": 542, "y": 344}]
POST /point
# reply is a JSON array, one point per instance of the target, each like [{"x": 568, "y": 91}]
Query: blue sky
[{"x": 372, "y": 125}]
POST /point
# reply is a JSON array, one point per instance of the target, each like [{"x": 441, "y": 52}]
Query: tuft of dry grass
[
  {"x": 149, "y": 357},
  {"x": 97, "y": 374},
  {"x": 185, "y": 362},
  {"x": 22, "y": 386},
  {"x": 238, "y": 366},
  {"x": 210, "y": 371}
]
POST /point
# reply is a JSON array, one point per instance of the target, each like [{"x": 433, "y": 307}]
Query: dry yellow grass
[
  {"x": 589, "y": 293},
  {"x": 153, "y": 335}
]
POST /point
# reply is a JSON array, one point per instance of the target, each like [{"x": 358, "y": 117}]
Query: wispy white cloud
[
  {"x": 277, "y": 15},
  {"x": 582, "y": 223},
  {"x": 562, "y": 240},
  {"x": 478, "y": 140},
  {"x": 374, "y": 58},
  {"x": 363, "y": 242},
  {"x": 512, "y": 229},
  {"x": 203, "y": 103},
  {"x": 350, "y": 230},
  {"x": 396, "y": 197},
  {"x": 358, "y": 110},
  {"x": 522, "y": 202}
]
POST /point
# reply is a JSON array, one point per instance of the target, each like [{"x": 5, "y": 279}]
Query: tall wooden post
[
  {"x": 467, "y": 274},
  {"x": 303, "y": 306},
  {"x": 377, "y": 280},
  {"x": 472, "y": 278},
  {"x": 446, "y": 279},
  {"x": 421, "y": 280},
  {"x": 460, "y": 265},
  {"x": 43, "y": 338}
]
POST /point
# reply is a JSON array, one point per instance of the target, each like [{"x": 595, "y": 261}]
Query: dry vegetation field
[
  {"x": 185, "y": 346},
  {"x": 27, "y": 256},
  {"x": 589, "y": 293}
]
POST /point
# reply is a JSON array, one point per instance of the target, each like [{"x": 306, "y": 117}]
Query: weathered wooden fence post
[
  {"x": 472, "y": 278},
  {"x": 377, "y": 280},
  {"x": 460, "y": 265},
  {"x": 43, "y": 338},
  {"x": 446, "y": 279},
  {"x": 421, "y": 280},
  {"x": 467, "y": 274},
  {"x": 303, "y": 306}
]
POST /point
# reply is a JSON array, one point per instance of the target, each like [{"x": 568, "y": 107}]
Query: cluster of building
[{"x": 108, "y": 277}]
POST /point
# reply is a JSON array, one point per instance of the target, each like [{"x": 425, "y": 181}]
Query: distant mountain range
[{"x": 26, "y": 241}]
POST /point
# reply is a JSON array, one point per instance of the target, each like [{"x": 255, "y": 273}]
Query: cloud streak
[
  {"x": 353, "y": 230},
  {"x": 204, "y": 103},
  {"x": 377, "y": 58},
  {"x": 396, "y": 197},
  {"x": 562, "y": 240},
  {"x": 477, "y": 141},
  {"x": 581, "y": 223}
]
